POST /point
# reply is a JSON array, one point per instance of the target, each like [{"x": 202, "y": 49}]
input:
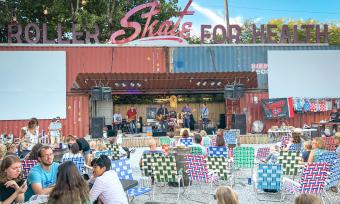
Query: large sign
[
  {"x": 278, "y": 108},
  {"x": 155, "y": 29}
]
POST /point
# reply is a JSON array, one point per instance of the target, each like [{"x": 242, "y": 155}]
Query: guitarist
[
  {"x": 186, "y": 112},
  {"x": 132, "y": 119},
  {"x": 162, "y": 114}
]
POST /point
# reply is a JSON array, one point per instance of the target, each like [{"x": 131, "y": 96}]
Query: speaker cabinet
[
  {"x": 229, "y": 91},
  {"x": 239, "y": 90},
  {"x": 239, "y": 121},
  {"x": 107, "y": 93},
  {"x": 96, "y": 94},
  {"x": 97, "y": 125}
]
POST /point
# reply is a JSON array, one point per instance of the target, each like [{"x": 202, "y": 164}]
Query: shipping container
[
  {"x": 233, "y": 58},
  {"x": 104, "y": 59},
  {"x": 76, "y": 123}
]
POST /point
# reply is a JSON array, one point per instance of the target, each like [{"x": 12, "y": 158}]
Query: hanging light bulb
[
  {"x": 83, "y": 2},
  {"x": 45, "y": 11},
  {"x": 14, "y": 19}
]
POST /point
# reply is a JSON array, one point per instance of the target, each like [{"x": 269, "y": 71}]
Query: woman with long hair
[
  {"x": 226, "y": 195},
  {"x": 12, "y": 187},
  {"x": 70, "y": 188}
]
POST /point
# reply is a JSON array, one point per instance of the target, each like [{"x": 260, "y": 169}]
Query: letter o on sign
[{"x": 31, "y": 27}]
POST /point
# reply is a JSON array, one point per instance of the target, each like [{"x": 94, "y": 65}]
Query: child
[
  {"x": 307, "y": 149},
  {"x": 307, "y": 199},
  {"x": 226, "y": 195}
]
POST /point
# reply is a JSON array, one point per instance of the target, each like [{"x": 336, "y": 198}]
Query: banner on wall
[{"x": 278, "y": 108}]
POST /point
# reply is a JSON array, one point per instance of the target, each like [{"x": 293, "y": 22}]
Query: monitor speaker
[
  {"x": 229, "y": 91},
  {"x": 96, "y": 94},
  {"x": 239, "y": 121},
  {"x": 97, "y": 125},
  {"x": 107, "y": 93},
  {"x": 239, "y": 91}
]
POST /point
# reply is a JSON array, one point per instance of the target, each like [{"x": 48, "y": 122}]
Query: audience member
[
  {"x": 273, "y": 155},
  {"x": 337, "y": 143},
  {"x": 3, "y": 151},
  {"x": 84, "y": 146},
  {"x": 318, "y": 146},
  {"x": 12, "y": 148},
  {"x": 42, "y": 177},
  {"x": 307, "y": 199},
  {"x": 294, "y": 143},
  {"x": 226, "y": 195},
  {"x": 74, "y": 152},
  {"x": 220, "y": 142},
  {"x": 33, "y": 154},
  {"x": 107, "y": 186},
  {"x": 12, "y": 187},
  {"x": 197, "y": 143},
  {"x": 70, "y": 186},
  {"x": 185, "y": 134},
  {"x": 307, "y": 149}
]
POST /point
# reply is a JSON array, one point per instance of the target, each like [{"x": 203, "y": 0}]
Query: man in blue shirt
[
  {"x": 186, "y": 112},
  {"x": 42, "y": 177}
]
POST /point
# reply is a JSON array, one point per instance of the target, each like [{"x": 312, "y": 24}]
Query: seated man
[
  {"x": 152, "y": 150},
  {"x": 197, "y": 143},
  {"x": 42, "y": 177},
  {"x": 107, "y": 187}
]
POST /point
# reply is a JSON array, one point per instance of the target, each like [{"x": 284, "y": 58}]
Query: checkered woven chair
[
  {"x": 218, "y": 152},
  {"x": 115, "y": 152},
  {"x": 165, "y": 171},
  {"x": 147, "y": 163},
  {"x": 196, "y": 151},
  {"x": 124, "y": 171},
  {"x": 186, "y": 141},
  {"x": 290, "y": 162},
  {"x": 329, "y": 143},
  {"x": 230, "y": 137},
  {"x": 294, "y": 148},
  {"x": 269, "y": 177},
  {"x": 219, "y": 164},
  {"x": 27, "y": 165},
  {"x": 103, "y": 152},
  {"x": 244, "y": 157},
  {"x": 79, "y": 161},
  {"x": 164, "y": 141},
  {"x": 313, "y": 180},
  {"x": 284, "y": 141},
  {"x": 262, "y": 153}
]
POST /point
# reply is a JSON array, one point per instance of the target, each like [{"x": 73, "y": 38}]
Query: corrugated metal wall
[
  {"x": 251, "y": 105},
  {"x": 105, "y": 59},
  {"x": 231, "y": 58},
  {"x": 77, "y": 122}
]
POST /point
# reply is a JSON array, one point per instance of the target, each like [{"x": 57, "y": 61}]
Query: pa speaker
[
  {"x": 97, "y": 125},
  {"x": 239, "y": 90},
  {"x": 107, "y": 93},
  {"x": 96, "y": 94},
  {"x": 229, "y": 91},
  {"x": 239, "y": 122}
]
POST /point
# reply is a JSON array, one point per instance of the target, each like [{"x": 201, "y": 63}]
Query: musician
[
  {"x": 335, "y": 117},
  {"x": 186, "y": 112},
  {"x": 117, "y": 120},
  {"x": 132, "y": 119},
  {"x": 204, "y": 115},
  {"x": 162, "y": 114}
]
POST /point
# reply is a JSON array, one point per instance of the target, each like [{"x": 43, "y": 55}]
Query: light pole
[{"x": 226, "y": 7}]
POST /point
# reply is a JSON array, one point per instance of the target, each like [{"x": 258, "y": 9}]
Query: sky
[{"x": 261, "y": 11}]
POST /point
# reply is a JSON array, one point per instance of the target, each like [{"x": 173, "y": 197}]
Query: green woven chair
[
  {"x": 290, "y": 162},
  {"x": 244, "y": 157},
  {"x": 165, "y": 171},
  {"x": 196, "y": 151},
  {"x": 164, "y": 141}
]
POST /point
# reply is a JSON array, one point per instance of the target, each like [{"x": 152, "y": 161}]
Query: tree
[{"x": 86, "y": 13}]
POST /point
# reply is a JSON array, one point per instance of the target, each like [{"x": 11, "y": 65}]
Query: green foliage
[{"x": 105, "y": 13}]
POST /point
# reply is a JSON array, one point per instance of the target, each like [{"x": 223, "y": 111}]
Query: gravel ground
[{"x": 199, "y": 193}]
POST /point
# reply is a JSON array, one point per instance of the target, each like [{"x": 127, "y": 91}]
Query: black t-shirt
[
  {"x": 7, "y": 192},
  {"x": 335, "y": 116},
  {"x": 83, "y": 145}
]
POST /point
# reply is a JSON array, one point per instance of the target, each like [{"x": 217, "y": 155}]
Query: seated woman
[
  {"x": 295, "y": 143},
  {"x": 12, "y": 187},
  {"x": 33, "y": 154},
  {"x": 226, "y": 195},
  {"x": 307, "y": 199},
  {"x": 107, "y": 186},
  {"x": 70, "y": 186},
  {"x": 318, "y": 146}
]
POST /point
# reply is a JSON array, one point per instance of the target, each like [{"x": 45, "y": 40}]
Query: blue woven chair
[
  {"x": 124, "y": 171},
  {"x": 218, "y": 152},
  {"x": 294, "y": 148},
  {"x": 230, "y": 137},
  {"x": 103, "y": 152},
  {"x": 269, "y": 177},
  {"x": 186, "y": 141},
  {"x": 78, "y": 161}
]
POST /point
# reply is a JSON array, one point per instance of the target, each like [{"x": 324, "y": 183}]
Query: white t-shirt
[
  {"x": 117, "y": 118},
  {"x": 109, "y": 189}
]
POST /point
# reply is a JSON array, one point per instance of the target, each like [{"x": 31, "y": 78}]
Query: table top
[{"x": 127, "y": 184}]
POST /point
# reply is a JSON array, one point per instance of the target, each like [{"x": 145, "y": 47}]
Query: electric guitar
[{"x": 161, "y": 117}]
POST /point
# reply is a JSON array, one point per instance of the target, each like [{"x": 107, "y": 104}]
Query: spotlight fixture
[
  {"x": 123, "y": 85},
  {"x": 117, "y": 84},
  {"x": 198, "y": 83},
  {"x": 219, "y": 83},
  {"x": 139, "y": 84},
  {"x": 212, "y": 83},
  {"x": 204, "y": 83},
  {"x": 132, "y": 84}
]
